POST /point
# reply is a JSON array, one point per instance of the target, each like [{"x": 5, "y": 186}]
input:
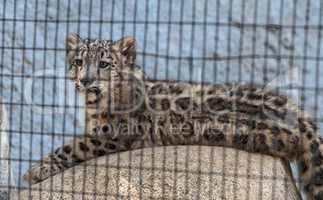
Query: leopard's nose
[{"x": 87, "y": 81}]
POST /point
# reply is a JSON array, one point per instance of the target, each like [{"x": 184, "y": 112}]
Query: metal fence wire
[{"x": 275, "y": 45}]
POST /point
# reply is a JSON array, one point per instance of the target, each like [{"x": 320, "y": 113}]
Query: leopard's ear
[
  {"x": 127, "y": 47},
  {"x": 72, "y": 40}
]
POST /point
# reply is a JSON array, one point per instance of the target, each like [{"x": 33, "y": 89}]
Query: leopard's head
[
  {"x": 104, "y": 71},
  {"x": 98, "y": 67}
]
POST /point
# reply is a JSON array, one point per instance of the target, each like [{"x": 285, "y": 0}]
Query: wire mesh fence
[{"x": 274, "y": 44}]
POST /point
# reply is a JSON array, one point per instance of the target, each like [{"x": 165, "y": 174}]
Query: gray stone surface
[{"x": 179, "y": 172}]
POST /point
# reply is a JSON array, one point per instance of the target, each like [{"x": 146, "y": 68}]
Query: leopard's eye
[
  {"x": 78, "y": 62},
  {"x": 104, "y": 64}
]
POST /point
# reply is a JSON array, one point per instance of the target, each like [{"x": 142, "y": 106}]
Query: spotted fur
[{"x": 156, "y": 113}]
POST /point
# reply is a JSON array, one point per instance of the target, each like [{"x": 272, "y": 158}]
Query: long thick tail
[{"x": 310, "y": 162}]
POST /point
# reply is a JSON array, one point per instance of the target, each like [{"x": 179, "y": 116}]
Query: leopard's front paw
[
  {"x": 41, "y": 172},
  {"x": 37, "y": 174}
]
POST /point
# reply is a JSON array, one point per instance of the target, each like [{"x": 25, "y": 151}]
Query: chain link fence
[{"x": 276, "y": 44}]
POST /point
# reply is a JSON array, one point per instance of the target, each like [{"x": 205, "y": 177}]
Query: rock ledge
[{"x": 174, "y": 172}]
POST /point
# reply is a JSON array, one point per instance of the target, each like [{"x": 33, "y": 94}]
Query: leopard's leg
[{"x": 78, "y": 150}]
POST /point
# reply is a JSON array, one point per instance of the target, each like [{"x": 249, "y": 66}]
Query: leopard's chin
[{"x": 93, "y": 96}]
